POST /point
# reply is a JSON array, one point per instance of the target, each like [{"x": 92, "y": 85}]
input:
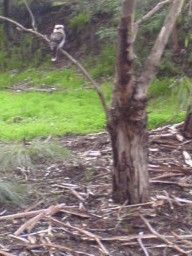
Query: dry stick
[
  {"x": 183, "y": 240},
  {"x": 73, "y": 60},
  {"x": 163, "y": 238},
  {"x": 3, "y": 253},
  {"x": 73, "y": 191},
  {"x": 31, "y": 15},
  {"x": 61, "y": 207},
  {"x": 30, "y": 224},
  {"x": 183, "y": 185},
  {"x": 57, "y": 246},
  {"x": 121, "y": 238},
  {"x": 168, "y": 199},
  {"x": 86, "y": 233},
  {"x": 142, "y": 245}
]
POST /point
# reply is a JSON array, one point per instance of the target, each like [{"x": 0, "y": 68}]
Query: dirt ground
[{"x": 70, "y": 212}]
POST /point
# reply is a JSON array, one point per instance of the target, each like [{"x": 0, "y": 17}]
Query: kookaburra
[{"x": 57, "y": 40}]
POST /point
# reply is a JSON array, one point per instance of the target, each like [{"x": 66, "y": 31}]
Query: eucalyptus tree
[{"x": 127, "y": 119}]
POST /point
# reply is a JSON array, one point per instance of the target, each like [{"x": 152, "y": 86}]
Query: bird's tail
[{"x": 54, "y": 54}]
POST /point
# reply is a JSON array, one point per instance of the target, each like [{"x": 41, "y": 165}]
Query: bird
[{"x": 57, "y": 40}]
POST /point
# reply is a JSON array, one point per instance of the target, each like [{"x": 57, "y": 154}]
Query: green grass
[
  {"x": 29, "y": 115},
  {"x": 72, "y": 109},
  {"x": 61, "y": 79}
]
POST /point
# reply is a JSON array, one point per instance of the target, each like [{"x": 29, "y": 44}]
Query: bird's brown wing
[{"x": 55, "y": 39}]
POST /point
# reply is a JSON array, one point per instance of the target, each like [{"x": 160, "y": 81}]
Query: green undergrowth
[
  {"x": 60, "y": 79},
  {"x": 12, "y": 193},
  {"x": 29, "y": 155},
  {"x": 73, "y": 109}
]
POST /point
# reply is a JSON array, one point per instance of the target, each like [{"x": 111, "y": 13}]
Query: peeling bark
[
  {"x": 129, "y": 143},
  {"x": 187, "y": 128}
]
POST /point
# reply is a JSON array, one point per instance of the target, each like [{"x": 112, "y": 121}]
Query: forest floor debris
[{"x": 70, "y": 211}]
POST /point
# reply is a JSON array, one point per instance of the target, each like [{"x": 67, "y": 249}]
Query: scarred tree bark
[
  {"x": 127, "y": 122},
  {"x": 187, "y": 128},
  {"x": 127, "y": 126}
]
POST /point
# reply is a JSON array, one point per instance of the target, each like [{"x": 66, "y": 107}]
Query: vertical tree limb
[
  {"x": 33, "y": 23},
  {"x": 152, "y": 62}
]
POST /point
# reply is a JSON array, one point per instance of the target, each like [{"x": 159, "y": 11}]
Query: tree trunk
[
  {"x": 130, "y": 155},
  {"x": 127, "y": 122},
  {"x": 187, "y": 128}
]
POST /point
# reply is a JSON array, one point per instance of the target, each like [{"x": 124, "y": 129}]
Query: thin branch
[
  {"x": 142, "y": 245},
  {"x": 163, "y": 238},
  {"x": 73, "y": 60},
  {"x": 90, "y": 79},
  {"x": 33, "y": 23},
  {"x": 150, "y": 66},
  {"x": 147, "y": 16},
  {"x": 24, "y": 29},
  {"x": 3, "y": 253},
  {"x": 153, "y": 11}
]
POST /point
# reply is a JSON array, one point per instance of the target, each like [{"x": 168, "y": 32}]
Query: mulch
[{"x": 70, "y": 212}]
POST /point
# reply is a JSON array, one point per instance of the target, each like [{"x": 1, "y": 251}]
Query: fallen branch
[
  {"x": 163, "y": 238},
  {"x": 86, "y": 233},
  {"x": 3, "y": 253},
  {"x": 60, "y": 207},
  {"x": 57, "y": 246},
  {"x": 142, "y": 245}
]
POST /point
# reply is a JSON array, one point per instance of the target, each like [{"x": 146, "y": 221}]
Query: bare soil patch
[{"x": 70, "y": 210}]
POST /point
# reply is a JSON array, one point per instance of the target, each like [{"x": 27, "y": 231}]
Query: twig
[
  {"x": 169, "y": 199},
  {"x": 61, "y": 207},
  {"x": 175, "y": 199},
  {"x": 29, "y": 225},
  {"x": 86, "y": 233},
  {"x": 21, "y": 239},
  {"x": 72, "y": 190},
  {"x": 153, "y": 11},
  {"x": 90, "y": 79},
  {"x": 163, "y": 238},
  {"x": 183, "y": 240},
  {"x": 142, "y": 245},
  {"x": 31, "y": 15},
  {"x": 183, "y": 185},
  {"x": 3, "y": 253},
  {"x": 59, "y": 247}
]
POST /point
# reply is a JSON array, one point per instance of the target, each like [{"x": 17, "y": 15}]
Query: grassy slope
[{"x": 71, "y": 110}]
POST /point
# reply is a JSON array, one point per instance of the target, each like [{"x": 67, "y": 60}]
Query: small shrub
[
  {"x": 79, "y": 21},
  {"x": 104, "y": 65},
  {"x": 11, "y": 193},
  {"x": 29, "y": 155}
]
